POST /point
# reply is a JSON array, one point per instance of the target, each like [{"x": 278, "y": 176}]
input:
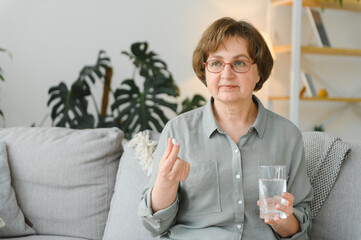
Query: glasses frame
[{"x": 230, "y": 64}]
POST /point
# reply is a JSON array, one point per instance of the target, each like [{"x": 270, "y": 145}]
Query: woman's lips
[{"x": 227, "y": 87}]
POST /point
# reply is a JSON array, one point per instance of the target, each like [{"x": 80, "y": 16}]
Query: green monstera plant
[
  {"x": 134, "y": 108},
  {"x": 140, "y": 110}
]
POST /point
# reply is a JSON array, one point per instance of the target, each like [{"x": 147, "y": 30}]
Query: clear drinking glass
[{"x": 271, "y": 184}]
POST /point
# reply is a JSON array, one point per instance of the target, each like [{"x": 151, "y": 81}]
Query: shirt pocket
[{"x": 202, "y": 189}]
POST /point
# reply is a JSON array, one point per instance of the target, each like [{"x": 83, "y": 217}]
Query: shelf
[
  {"x": 351, "y": 5},
  {"x": 330, "y": 99},
  {"x": 321, "y": 50}
]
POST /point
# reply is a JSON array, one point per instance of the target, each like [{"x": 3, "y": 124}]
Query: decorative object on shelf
[
  {"x": 322, "y": 93},
  {"x": 133, "y": 109}
]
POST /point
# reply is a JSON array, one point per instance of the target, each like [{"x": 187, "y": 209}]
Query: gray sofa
[{"x": 58, "y": 183}]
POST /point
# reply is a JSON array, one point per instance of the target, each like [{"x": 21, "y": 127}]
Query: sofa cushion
[
  {"x": 64, "y": 178},
  {"x": 12, "y": 221},
  {"x": 338, "y": 217},
  {"x": 123, "y": 221}
]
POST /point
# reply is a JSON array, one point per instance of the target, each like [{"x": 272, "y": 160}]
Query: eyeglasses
[{"x": 239, "y": 66}]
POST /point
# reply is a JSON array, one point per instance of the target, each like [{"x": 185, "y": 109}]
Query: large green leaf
[
  {"x": 196, "y": 102},
  {"x": 70, "y": 107},
  {"x": 138, "y": 110},
  {"x": 97, "y": 71},
  {"x": 148, "y": 63}
]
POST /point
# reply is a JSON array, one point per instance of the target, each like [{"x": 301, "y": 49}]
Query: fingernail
[{"x": 174, "y": 141}]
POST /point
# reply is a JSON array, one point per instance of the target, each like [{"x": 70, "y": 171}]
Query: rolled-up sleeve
[{"x": 159, "y": 222}]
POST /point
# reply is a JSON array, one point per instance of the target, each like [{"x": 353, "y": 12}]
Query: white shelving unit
[{"x": 296, "y": 50}]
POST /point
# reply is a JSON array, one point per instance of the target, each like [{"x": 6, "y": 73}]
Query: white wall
[{"x": 52, "y": 40}]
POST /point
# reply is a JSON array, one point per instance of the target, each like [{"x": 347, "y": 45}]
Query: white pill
[{"x": 174, "y": 141}]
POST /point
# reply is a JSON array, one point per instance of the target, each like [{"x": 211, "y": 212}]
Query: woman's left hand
[
  {"x": 287, "y": 209},
  {"x": 285, "y": 227}
]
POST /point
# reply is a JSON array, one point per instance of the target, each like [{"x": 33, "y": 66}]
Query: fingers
[
  {"x": 186, "y": 171},
  {"x": 289, "y": 198},
  {"x": 180, "y": 170},
  {"x": 172, "y": 168},
  {"x": 170, "y": 155},
  {"x": 275, "y": 221},
  {"x": 288, "y": 210},
  {"x": 173, "y": 154},
  {"x": 169, "y": 149},
  {"x": 286, "y": 207}
]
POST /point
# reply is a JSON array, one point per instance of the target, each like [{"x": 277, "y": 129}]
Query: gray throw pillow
[
  {"x": 123, "y": 221},
  {"x": 12, "y": 220},
  {"x": 64, "y": 178}
]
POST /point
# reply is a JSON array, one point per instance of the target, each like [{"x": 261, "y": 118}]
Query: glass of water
[{"x": 271, "y": 184}]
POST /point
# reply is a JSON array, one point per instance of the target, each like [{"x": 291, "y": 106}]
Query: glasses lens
[
  {"x": 215, "y": 66},
  {"x": 241, "y": 66}
]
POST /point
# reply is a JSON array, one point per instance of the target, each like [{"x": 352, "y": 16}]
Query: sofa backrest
[{"x": 64, "y": 178}]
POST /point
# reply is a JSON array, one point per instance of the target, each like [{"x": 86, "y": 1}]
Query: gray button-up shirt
[{"x": 219, "y": 198}]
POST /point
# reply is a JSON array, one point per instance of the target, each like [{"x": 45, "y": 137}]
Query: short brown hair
[{"x": 226, "y": 27}]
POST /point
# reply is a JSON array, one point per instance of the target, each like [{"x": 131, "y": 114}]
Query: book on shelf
[
  {"x": 311, "y": 90},
  {"x": 318, "y": 27}
]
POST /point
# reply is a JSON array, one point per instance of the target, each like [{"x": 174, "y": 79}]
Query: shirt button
[
  {"x": 238, "y": 176},
  {"x": 239, "y": 226},
  {"x": 236, "y": 151},
  {"x": 240, "y": 202}
]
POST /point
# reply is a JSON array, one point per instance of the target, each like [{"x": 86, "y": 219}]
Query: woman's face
[{"x": 228, "y": 86}]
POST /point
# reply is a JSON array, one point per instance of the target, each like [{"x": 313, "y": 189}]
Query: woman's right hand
[{"x": 171, "y": 171}]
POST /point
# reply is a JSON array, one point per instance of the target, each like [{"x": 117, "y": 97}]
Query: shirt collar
[
  {"x": 261, "y": 119},
  {"x": 210, "y": 123}
]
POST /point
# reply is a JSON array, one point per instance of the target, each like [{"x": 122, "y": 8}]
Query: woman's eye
[
  {"x": 216, "y": 63},
  {"x": 239, "y": 63}
]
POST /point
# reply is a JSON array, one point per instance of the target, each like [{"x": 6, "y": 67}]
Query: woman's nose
[{"x": 228, "y": 71}]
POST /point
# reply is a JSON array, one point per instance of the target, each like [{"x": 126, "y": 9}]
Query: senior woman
[{"x": 204, "y": 183}]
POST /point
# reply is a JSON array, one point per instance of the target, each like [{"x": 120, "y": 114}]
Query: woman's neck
[
  {"x": 241, "y": 112},
  {"x": 235, "y": 118}
]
